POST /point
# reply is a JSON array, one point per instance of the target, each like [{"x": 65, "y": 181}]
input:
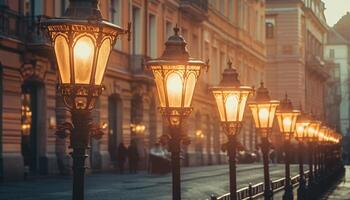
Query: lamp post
[
  {"x": 287, "y": 118},
  {"x": 263, "y": 110},
  {"x": 303, "y": 122},
  {"x": 231, "y": 99},
  {"x": 310, "y": 137},
  {"x": 82, "y": 42},
  {"x": 175, "y": 75}
]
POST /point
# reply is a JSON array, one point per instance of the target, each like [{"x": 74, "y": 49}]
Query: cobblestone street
[{"x": 197, "y": 183}]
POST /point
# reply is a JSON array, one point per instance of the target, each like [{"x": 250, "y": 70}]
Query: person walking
[
  {"x": 133, "y": 156},
  {"x": 122, "y": 153}
]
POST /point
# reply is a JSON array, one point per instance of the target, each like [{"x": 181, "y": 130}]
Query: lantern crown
[
  {"x": 175, "y": 47},
  {"x": 83, "y": 9},
  {"x": 230, "y": 76},
  {"x": 262, "y": 94},
  {"x": 285, "y": 105}
]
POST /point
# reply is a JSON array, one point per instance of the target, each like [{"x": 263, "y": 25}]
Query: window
[
  {"x": 331, "y": 53},
  {"x": 222, "y": 7},
  {"x": 269, "y": 30},
  {"x": 152, "y": 36},
  {"x": 136, "y": 33},
  {"x": 114, "y": 16},
  {"x": 231, "y": 10},
  {"x": 168, "y": 30},
  {"x": 38, "y": 7},
  {"x": 115, "y": 11},
  {"x": 194, "y": 46},
  {"x": 59, "y": 7}
]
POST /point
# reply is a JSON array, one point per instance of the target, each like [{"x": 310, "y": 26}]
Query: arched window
[{"x": 269, "y": 30}]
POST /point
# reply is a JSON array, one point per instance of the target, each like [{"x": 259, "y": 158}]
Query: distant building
[
  {"x": 337, "y": 51},
  {"x": 30, "y": 104}
]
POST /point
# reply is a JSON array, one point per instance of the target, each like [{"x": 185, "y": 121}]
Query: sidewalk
[{"x": 342, "y": 190}]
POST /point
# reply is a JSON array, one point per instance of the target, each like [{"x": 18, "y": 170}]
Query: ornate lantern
[
  {"x": 301, "y": 125},
  {"x": 231, "y": 100},
  {"x": 287, "y": 117},
  {"x": 82, "y": 42},
  {"x": 263, "y": 110},
  {"x": 175, "y": 75}
]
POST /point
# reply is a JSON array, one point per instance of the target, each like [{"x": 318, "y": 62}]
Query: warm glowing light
[
  {"x": 174, "y": 89},
  {"x": 231, "y": 107},
  {"x": 83, "y": 49},
  {"x": 263, "y": 114},
  {"x": 287, "y": 122}
]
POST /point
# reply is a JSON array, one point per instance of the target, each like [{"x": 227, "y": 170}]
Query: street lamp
[
  {"x": 82, "y": 42},
  {"x": 231, "y": 99},
  {"x": 263, "y": 110},
  {"x": 302, "y": 123},
  {"x": 175, "y": 75},
  {"x": 310, "y": 137},
  {"x": 287, "y": 118}
]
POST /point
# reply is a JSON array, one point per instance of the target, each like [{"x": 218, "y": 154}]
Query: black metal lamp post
[
  {"x": 263, "y": 110},
  {"x": 322, "y": 133},
  {"x": 303, "y": 122},
  {"x": 231, "y": 99},
  {"x": 310, "y": 137},
  {"x": 287, "y": 118},
  {"x": 82, "y": 42},
  {"x": 175, "y": 75}
]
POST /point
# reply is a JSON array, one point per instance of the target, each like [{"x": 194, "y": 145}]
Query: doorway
[
  {"x": 114, "y": 125},
  {"x": 33, "y": 138}
]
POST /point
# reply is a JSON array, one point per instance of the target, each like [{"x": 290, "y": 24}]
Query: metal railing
[
  {"x": 201, "y": 4},
  {"x": 15, "y": 25},
  {"x": 257, "y": 190}
]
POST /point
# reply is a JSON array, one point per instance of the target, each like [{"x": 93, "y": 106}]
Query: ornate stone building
[{"x": 30, "y": 107}]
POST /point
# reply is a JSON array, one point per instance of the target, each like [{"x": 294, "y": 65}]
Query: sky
[{"x": 335, "y": 9}]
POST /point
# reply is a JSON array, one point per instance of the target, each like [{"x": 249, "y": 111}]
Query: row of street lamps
[{"x": 82, "y": 42}]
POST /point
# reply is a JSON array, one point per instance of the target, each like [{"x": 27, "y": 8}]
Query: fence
[{"x": 255, "y": 191}]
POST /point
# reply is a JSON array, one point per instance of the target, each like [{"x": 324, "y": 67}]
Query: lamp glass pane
[
  {"x": 62, "y": 55},
  {"x": 160, "y": 87},
  {"x": 300, "y": 129},
  {"x": 83, "y": 52},
  {"x": 286, "y": 121},
  {"x": 174, "y": 86},
  {"x": 254, "y": 110},
  {"x": 218, "y": 95},
  {"x": 243, "y": 102},
  {"x": 103, "y": 55},
  {"x": 231, "y": 106},
  {"x": 263, "y": 114},
  {"x": 190, "y": 85}
]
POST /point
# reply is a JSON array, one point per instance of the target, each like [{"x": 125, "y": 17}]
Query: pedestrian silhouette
[
  {"x": 133, "y": 156},
  {"x": 122, "y": 154}
]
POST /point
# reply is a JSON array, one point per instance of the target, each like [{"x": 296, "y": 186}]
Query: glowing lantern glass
[
  {"x": 312, "y": 130},
  {"x": 82, "y": 42},
  {"x": 322, "y": 133},
  {"x": 175, "y": 75},
  {"x": 263, "y": 110},
  {"x": 231, "y": 99},
  {"x": 287, "y": 117},
  {"x": 301, "y": 125}
]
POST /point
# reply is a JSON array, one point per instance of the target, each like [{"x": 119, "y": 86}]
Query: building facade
[
  {"x": 31, "y": 108},
  {"x": 296, "y": 32},
  {"x": 337, "y": 51}
]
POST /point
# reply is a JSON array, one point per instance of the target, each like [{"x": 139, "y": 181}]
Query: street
[{"x": 197, "y": 184}]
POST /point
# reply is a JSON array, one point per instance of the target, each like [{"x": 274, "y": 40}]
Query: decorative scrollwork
[{"x": 64, "y": 130}]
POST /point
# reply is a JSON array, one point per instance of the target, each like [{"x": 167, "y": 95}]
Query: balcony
[
  {"x": 197, "y": 9},
  {"x": 15, "y": 26},
  {"x": 317, "y": 65}
]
